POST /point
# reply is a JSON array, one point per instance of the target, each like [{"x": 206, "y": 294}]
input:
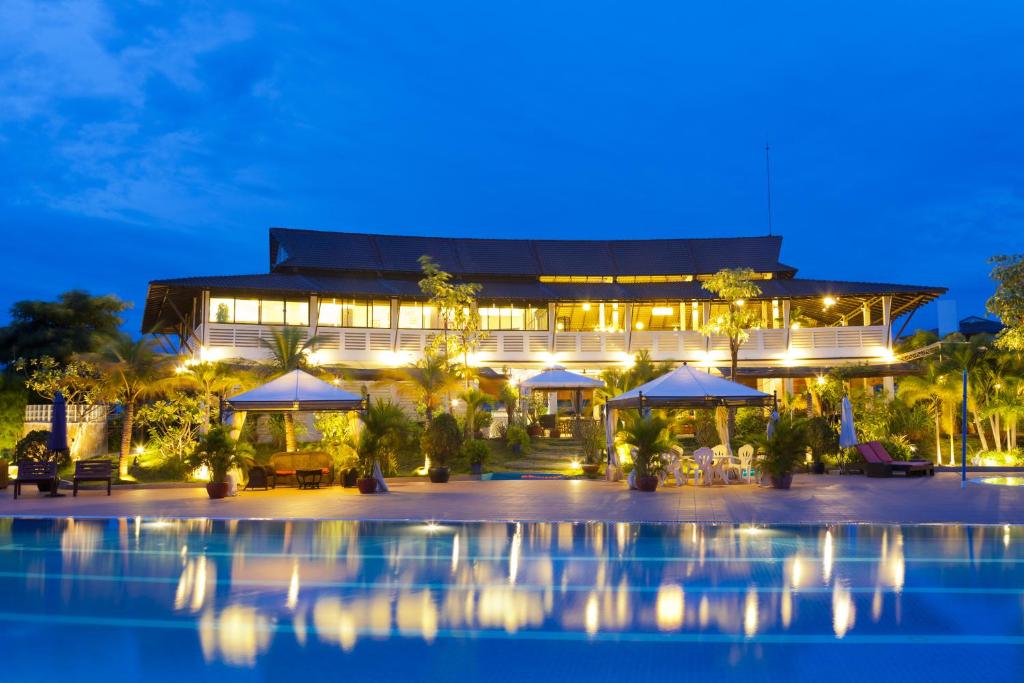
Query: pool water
[{"x": 201, "y": 600}]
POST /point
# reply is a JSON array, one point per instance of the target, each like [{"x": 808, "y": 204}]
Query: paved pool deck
[{"x": 813, "y": 499}]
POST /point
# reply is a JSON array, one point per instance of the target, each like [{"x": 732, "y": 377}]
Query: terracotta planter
[
  {"x": 781, "y": 481},
  {"x": 591, "y": 470},
  {"x": 439, "y": 475},
  {"x": 647, "y": 484},
  {"x": 535, "y": 430},
  {"x": 368, "y": 485},
  {"x": 818, "y": 468},
  {"x": 217, "y": 490}
]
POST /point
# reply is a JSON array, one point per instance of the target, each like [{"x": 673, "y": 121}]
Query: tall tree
[
  {"x": 77, "y": 322},
  {"x": 133, "y": 370},
  {"x": 1008, "y": 300},
  {"x": 935, "y": 388},
  {"x": 456, "y": 307},
  {"x": 734, "y": 286},
  {"x": 289, "y": 351}
]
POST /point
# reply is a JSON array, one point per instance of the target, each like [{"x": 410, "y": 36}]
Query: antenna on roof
[{"x": 768, "y": 180}]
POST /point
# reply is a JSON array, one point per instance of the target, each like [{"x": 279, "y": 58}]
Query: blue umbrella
[
  {"x": 847, "y": 433},
  {"x": 57, "y": 442},
  {"x": 773, "y": 420}
]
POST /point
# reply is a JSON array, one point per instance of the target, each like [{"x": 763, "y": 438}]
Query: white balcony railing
[{"x": 377, "y": 347}]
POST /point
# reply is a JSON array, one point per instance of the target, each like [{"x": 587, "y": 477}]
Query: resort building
[{"x": 583, "y": 304}]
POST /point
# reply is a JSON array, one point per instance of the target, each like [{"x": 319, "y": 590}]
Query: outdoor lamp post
[{"x": 963, "y": 424}]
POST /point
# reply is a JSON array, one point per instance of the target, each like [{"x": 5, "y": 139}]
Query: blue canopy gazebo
[{"x": 557, "y": 378}]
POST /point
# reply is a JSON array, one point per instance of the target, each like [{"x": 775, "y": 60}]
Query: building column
[
  {"x": 866, "y": 311},
  {"x": 394, "y": 325},
  {"x": 205, "y": 313},
  {"x": 886, "y": 320},
  {"x": 314, "y": 315},
  {"x": 551, "y": 328},
  {"x": 628, "y": 326},
  {"x": 889, "y": 383},
  {"x": 553, "y": 402},
  {"x": 787, "y": 387}
]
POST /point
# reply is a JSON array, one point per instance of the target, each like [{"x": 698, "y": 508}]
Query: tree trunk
[
  {"x": 205, "y": 429},
  {"x": 290, "y": 444},
  {"x": 980, "y": 428},
  {"x": 938, "y": 439},
  {"x": 127, "y": 420},
  {"x": 952, "y": 428},
  {"x": 994, "y": 422}
]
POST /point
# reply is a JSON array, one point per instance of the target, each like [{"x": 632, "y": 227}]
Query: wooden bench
[
  {"x": 92, "y": 470},
  {"x": 34, "y": 472}
]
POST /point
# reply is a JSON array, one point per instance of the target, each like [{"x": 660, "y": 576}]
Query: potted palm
[
  {"x": 517, "y": 439},
  {"x": 822, "y": 439},
  {"x": 650, "y": 437},
  {"x": 592, "y": 446},
  {"x": 218, "y": 452},
  {"x": 384, "y": 430},
  {"x": 440, "y": 442},
  {"x": 783, "y": 451}
]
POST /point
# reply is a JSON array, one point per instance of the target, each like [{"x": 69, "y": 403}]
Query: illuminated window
[
  {"x": 247, "y": 310},
  {"x": 253, "y": 311},
  {"x": 641, "y": 279},
  {"x": 419, "y": 316},
  {"x": 355, "y": 313},
  {"x": 589, "y": 317},
  {"x": 656, "y": 316},
  {"x": 494, "y": 316},
  {"x": 592, "y": 279}
]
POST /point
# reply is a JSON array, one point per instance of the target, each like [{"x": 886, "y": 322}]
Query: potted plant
[
  {"x": 385, "y": 429},
  {"x": 476, "y": 452},
  {"x": 517, "y": 439},
  {"x": 218, "y": 452},
  {"x": 822, "y": 439},
  {"x": 650, "y": 437},
  {"x": 592, "y": 446},
  {"x": 440, "y": 442},
  {"x": 783, "y": 451},
  {"x": 534, "y": 430}
]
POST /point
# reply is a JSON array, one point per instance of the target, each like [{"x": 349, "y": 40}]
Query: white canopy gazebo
[
  {"x": 557, "y": 378},
  {"x": 295, "y": 391},
  {"x": 684, "y": 387}
]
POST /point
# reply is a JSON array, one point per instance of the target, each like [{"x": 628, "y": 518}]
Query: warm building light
[
  {"x": 740, "y": 302},
  {"x": 662, "y": 310},
  {"x": 639, "y": 326},
  {"x": 574, "y": 464},
  {"x": 455, "y": 403},
  {"x": 821, "y": 380},
  {"x": 585, "y": 306},
  {"x": 795, "y": 326},
  {"x": 560, "y": 326},
  {"x": 829, "y": 301}
]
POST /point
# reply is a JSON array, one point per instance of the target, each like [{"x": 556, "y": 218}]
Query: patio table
[{"x": 309, "y": 479}]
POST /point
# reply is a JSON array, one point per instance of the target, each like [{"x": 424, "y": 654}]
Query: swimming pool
[{"x": 196, "y": 600}]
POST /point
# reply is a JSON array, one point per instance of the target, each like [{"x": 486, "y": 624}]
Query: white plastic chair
[
  {"x": 705, "y": 459},
  {"x": 746, "y": 458},
  {"x": 678, "y": 456}
]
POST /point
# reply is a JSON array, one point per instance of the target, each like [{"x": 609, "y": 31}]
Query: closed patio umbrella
[
  {"x": 57, "y": 441},
  {"x": 382, "y": 486},
  {"x": 773, "y": 420},
  {"x": 847, "y": 433}
]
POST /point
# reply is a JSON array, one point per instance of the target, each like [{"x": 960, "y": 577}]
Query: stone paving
[{"x": 813, "y": 499}]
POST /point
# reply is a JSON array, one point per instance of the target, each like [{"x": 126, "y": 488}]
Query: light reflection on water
[{"x": 243, "y": 598}]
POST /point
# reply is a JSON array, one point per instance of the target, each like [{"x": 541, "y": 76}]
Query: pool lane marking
[
  {"x": 579, "y": 636},
  {"x": 524, "y": 588},
  {"x": 445, "y": 556}
]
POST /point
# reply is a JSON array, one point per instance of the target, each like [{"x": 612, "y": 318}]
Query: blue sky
[{"x": 145, "y": 140}]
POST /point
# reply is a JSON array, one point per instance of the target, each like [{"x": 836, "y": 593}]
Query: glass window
[
  {"x": 656, "y": 316},
  {"x": 410, "y": 316},
  {"x": 495, "y": 316},
  {"x": 380, "y": 315},
  {"x": 355, "y": 313},
  {"x": 589, "y": 317},
  {"x": 222, "y": 310},
  {"x": 297, "y": 313},
  {"x": 272, "y": 312},
  {"x": 247, "y": 310}
]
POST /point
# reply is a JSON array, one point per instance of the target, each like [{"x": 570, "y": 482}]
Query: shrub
[
  {"x": 172, "y": 427},
  {"x": 339, "y": 433},
  {"x": 218, "y": 452},
  {"x": 32, "y": 446},
  {"x": 12, "y": 410},
  {"x": 650, "y": 437},
  {"x": 516, "y": 436},
  {"x": 475, "y": 451},
  {"x": 441, "y": 440},
  {"x": 591, "y": 436},
  {"x": 750, "y": 422},
  {"x": 899, "y": 447},
  {"x": 704, "y": 430},
  {"x": 822, "y": 438}
]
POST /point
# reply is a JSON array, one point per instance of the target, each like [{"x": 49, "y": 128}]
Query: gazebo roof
[
  {"x": 296, "y": 390},
  {"x": 558, "y": 377},
  {"x": 688, "y": 387}
]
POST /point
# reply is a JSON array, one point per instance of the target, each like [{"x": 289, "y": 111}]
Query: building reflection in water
[{"x": 340, "y": 583}]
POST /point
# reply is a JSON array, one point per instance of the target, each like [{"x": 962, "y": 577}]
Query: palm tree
[
  {"x": 932, "y": 387},
  {"x": 289, "y": 351},
  {"x": 475, "y": 399},
  {"x": 430, "y": 379},
  {"x": 212, "y": 379},
  {"x": 133, "y": 369}
]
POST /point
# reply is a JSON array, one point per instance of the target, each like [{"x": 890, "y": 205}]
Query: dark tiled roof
[{"x": 392, "y": 254}]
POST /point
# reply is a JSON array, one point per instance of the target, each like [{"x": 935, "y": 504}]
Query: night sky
[{"x": 141, "y": 141}]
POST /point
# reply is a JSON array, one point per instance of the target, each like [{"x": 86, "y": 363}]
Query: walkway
[{"x": 812, "y": 499}]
